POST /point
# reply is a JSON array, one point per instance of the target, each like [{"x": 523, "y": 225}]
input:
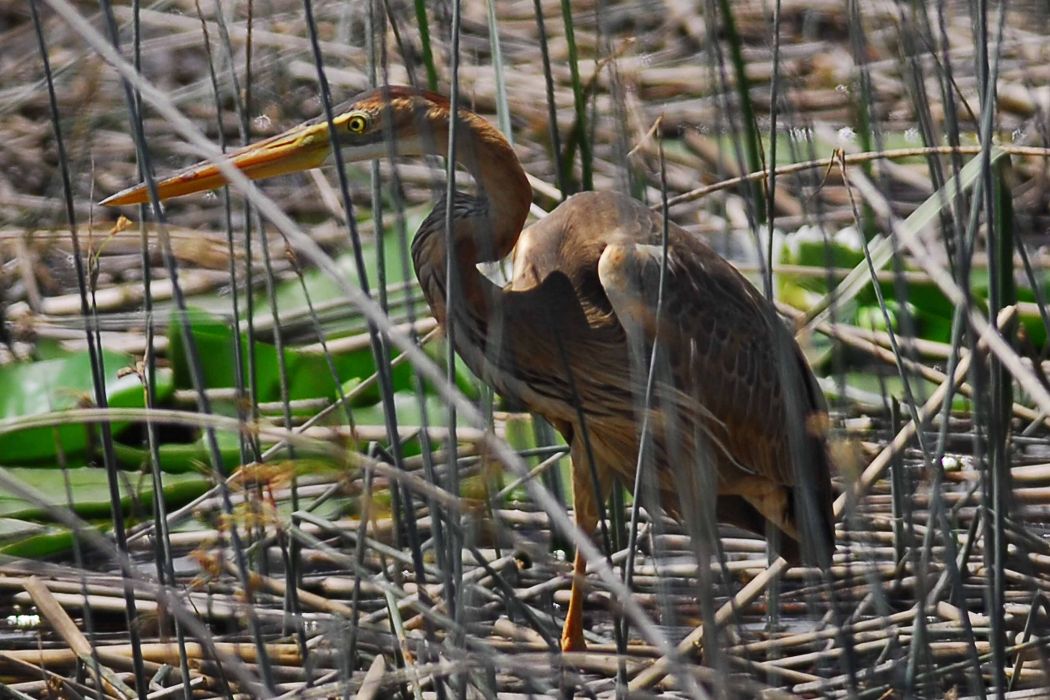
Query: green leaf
[
  {"x": 322, "y": 289},
  {"x": 409, "y": 413},
  {"x": 38, "y": 388},
  {"x": 881, "y": 251},
  {"x": 46, "y": 541},
  {"x": 309, "y": 374},
  {"x": 213, "y": 340},
  {"x": 14, "y": 530},
  {"x": 90, "y": 492},
  {"x": 182, "y": 457}
]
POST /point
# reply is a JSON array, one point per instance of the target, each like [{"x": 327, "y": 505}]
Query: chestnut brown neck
[{"x": 485, "y": 227}]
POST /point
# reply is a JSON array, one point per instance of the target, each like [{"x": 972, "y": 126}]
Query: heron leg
[
  {"x": 585, "y": 507},
  {"x": 572, "y": 631}
]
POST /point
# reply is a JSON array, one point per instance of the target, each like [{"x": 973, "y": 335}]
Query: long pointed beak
[{"x": 300, "y": 148}]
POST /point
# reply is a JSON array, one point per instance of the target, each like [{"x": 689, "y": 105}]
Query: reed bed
[{"x": 438, "y": 571}]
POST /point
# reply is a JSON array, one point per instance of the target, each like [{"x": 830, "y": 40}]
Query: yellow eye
[{"x": 356, "y": 124}]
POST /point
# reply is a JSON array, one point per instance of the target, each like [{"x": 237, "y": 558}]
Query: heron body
[{"x": 603, "y": 291}]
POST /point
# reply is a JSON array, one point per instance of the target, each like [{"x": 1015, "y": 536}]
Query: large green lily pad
[{"x": 38, "y": 388}]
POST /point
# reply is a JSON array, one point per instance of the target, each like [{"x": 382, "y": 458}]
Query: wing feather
[
  {"x": 725, "y": 347},
  {"x": 592, "y": 271}
]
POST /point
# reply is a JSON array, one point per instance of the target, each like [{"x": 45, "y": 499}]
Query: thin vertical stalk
[
  {"x": 402, "y": 497},
  {"x": 90, "y": 316},
  {"x": 579, "y": 101},
  {"x": 454, "y": 296},
  {"x": 438, "y": 524},
  {"x": 1002, "y": 294},
  {"x": 424, "y": 39},
  {"x": 502, "y": 106},
  {"x": 645, "y": 434},
  {"x": 861, "y": 104},
  {"x": 552, "y": 109},
  {"x": 998, "y": 213},
  {"x": 771, "y": 186},
  {"x": 196, "y": 371},
  {"x": 752, "y": 139}
]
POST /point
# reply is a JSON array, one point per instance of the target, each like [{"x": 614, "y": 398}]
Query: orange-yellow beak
[{"x": 301, "y": 148}]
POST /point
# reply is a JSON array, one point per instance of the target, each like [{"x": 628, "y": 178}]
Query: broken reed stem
[
  {"x": 79, "y": 645},
  {"x": 849, "y": 159},
  {"x": 158, "y": 652}
]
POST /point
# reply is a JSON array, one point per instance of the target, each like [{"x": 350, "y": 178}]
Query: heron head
[{"x": 384, "y": 122}]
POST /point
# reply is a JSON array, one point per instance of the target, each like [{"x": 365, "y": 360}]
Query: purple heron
[{"x": 735, "y": 414}]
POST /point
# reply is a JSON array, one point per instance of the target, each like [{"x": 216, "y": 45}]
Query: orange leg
[
  {"x": 572, "y": 630},
  {"x": 585, "y": 509}
]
